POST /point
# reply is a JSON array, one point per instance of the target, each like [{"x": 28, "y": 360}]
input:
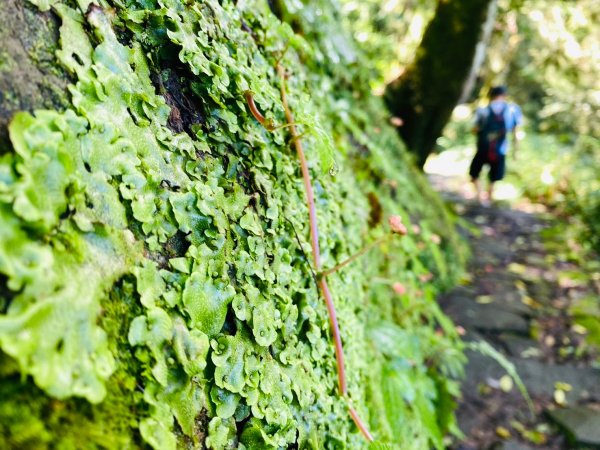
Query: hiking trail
[{"x": 518, "y": 296}]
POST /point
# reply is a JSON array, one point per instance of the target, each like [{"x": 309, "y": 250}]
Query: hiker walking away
[{"x": 492, "y": 124}]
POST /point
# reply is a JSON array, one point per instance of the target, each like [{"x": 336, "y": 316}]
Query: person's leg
[
  {"x": 496, "y": 174},
  {"x": 477, "y": 188},
  {"x": 474, "y": 171}
]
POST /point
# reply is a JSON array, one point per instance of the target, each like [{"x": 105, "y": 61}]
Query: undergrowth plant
[
  {"x": 486, "y": 349},
  {"x": 161, "y": 273}
]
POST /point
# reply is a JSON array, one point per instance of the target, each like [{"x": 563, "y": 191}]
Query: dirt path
[{"x": 518, "y": 297}]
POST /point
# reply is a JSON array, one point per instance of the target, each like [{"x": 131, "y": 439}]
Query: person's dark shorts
[{"x": 497, "y": 167}]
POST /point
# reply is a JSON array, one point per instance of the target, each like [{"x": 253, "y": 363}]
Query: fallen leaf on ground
[
  {"x": 517, "y": 268},
  {"x": 506, "y": 383},
  {"x": 560, "y": 397},
  {"x": 503, "y": 432},
  {"x": 484, "y": 299},
  {"x": 563, "y": 386},
  {"x": 527, "y": 300}
]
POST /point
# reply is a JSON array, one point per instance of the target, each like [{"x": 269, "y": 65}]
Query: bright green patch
[{"x": 166, "y": 274}]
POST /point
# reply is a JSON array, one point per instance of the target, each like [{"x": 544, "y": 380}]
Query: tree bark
[
  {"x": 29, "y": 77},
  {"x": 427, "y": 92},
  {"x": 480, "y": 52}
]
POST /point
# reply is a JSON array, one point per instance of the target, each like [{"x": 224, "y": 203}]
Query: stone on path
[
  {"x": 539, "y": 378},
  {"x": 518, "y": 346},
  {"x": 507, "y": 445},
  {"x": 495, "y": 316},
  {"x": 582, "y": 424},
  {"x": 512, "y": 445}
]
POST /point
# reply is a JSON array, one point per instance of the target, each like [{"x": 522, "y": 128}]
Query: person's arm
[{"x": 518, "y": 117}]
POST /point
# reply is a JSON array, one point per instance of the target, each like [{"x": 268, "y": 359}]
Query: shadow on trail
[{"x": 517, "y": 298}]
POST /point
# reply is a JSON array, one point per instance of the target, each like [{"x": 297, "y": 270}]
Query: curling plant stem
[
  {"x": 354, "y": 257},
  {"x": 314, "y": 239}
]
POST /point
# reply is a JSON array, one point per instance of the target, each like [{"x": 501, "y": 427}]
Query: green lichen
[
  {"x": 64, "y": 360},
  {"x": 176, "y": 263}
]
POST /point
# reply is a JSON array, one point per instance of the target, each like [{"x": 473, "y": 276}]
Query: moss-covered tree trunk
[
  {"x": 29, "y": 76},
  {"x": 427, "y": 92},
  {"x": 156, "y": 289}
]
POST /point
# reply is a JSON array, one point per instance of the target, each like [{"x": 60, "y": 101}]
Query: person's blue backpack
[{"x": 492, "y": 133}]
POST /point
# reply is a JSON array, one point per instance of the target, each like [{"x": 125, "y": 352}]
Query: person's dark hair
[{"x": 496, "y": 91}]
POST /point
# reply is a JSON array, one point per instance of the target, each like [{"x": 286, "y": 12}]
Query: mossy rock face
[{"x": 155, "y": 280}]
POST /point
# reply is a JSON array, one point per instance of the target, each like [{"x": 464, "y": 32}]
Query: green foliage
[
  {"x": 585, "y": 313},
  {"x": 559, "y": 171},
  {"x": 389, "y": 33},
  {"x": 153, "y": 256},
  {"x": 547, "y": 54},
  {"x": 564, "y": 176}
]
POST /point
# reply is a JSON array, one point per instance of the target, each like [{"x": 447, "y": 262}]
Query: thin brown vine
[
  {"x": 314, "y": 235},
  {"x": 395, "y": 222}
]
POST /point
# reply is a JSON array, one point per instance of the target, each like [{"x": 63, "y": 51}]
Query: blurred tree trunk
[{"x": 445, "y": 67}]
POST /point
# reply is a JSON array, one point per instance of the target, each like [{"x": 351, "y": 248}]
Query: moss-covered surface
[{"x": 155, "y": 284}]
